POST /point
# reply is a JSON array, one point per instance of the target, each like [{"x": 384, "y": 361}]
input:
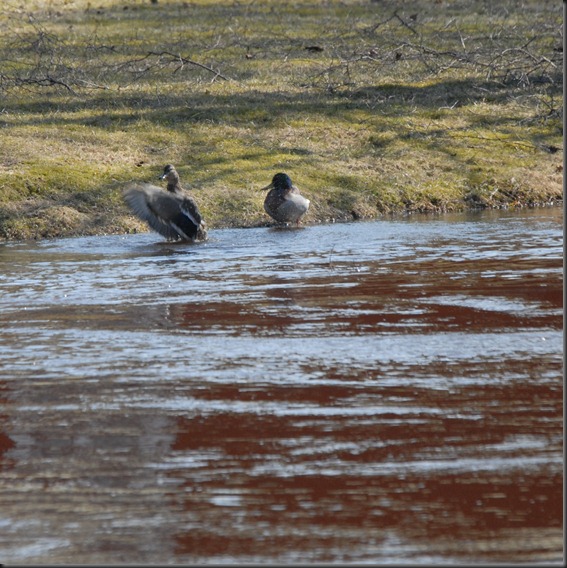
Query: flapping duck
[{"x": 172, "y": 213}]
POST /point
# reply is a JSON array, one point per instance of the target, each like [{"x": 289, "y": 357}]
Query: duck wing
[
  {"x": 185, "y": 218},
  {"x": 189, "y": 208},
  {"x": 292, "y": 209},
  {"x": 273, "y": 202},
  {"x": 300, "y": 203},
  {"x": 286, "y": 207},
  {"x": 153, "y": 205}
]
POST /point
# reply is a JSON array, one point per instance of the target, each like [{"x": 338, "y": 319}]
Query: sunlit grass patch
[{"x": 371, "y": 108}]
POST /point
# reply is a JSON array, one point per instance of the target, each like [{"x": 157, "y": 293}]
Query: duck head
[
  {"x": 280, "y": 182},
  {"x": 170, "y": 174}
]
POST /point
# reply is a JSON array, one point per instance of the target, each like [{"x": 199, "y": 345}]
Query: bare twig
[
  {"x": 404, "y": 23},
  {"x": 45, "y": 81},
  {"x": 184, "y": 60}
]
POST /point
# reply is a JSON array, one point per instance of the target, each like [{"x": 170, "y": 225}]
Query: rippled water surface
[{"x": 384, "y": 392}]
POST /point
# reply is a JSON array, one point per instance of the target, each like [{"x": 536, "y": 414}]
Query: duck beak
[{"x": 269, "y": 186}]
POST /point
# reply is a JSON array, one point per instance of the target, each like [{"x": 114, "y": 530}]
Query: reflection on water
[{"x": 380, "y": 392}]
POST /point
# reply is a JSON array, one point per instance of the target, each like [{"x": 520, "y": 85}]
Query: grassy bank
[{"x": 372, "y": 107}]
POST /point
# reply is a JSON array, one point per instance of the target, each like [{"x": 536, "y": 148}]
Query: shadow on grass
[
  {"x": 282, "y": 94},
  {"x": 117, "y": 109}
]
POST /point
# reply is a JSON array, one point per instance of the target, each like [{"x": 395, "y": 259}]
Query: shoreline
[{"x": 138, "y": 227}]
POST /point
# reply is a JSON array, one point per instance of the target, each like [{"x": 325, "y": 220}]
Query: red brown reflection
[
  {"x": 6, "y": 442},
  {"x": 388, "y": 302},
  {"x": 323, "y": 484}
]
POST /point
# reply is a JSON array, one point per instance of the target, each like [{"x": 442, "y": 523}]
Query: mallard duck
[
  {"x": 172, "y": 213},
  {"x": 284, "y": 202}
]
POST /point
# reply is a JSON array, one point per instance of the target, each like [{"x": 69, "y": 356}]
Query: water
[{"x": 384, "y": 392}]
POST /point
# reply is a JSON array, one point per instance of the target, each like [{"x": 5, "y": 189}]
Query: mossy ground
[{"x": 371, "y": 107}]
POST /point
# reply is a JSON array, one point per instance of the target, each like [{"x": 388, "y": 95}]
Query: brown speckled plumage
[{"x": 172, "y": 213}]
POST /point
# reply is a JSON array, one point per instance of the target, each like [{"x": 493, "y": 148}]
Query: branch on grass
[
  {"x": 394, "y": 16},
  {"x": 404, "y": 23},
  {"x": 185, "y": 61},
  {"x": 46, "y": 81}
]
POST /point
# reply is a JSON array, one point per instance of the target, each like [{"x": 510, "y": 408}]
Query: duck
[
  {"x": 284, "y": 202},
  {"x": 172, "y": 213}
]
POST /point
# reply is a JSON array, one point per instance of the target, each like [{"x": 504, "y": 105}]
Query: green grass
[{"x": 371, "y": 107}]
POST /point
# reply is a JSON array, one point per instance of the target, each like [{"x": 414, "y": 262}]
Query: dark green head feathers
[{"x": 280, "y": 182}]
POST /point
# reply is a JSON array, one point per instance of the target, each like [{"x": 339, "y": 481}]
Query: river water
[{"x": 371, "y": 392}]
